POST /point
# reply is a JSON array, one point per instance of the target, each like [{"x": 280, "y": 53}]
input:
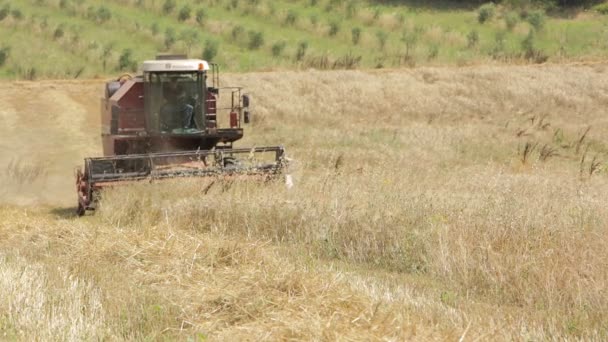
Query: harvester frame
[{"x": 164, "y": 124}]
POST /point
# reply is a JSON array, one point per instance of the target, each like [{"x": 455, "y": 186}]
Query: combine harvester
[{"x": 164, "y": 124}]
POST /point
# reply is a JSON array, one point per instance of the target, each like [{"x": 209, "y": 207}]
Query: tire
[{"x": 81, "y": 210}]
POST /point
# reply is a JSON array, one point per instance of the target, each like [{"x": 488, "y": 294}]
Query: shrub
[
  {"x": 314, "y": 19},
  {"x": 29, "y": 73},
  {"x": 511, "y": 20},
  {"x": 301, "y": 51},
  {"x": 499, "y": 44},
  {"x": 154, "y": 28},
  {"x": 410, "y": 38},
  {"x": 168, "y": 6},
  {"x": 59, "y": 32},
  {"x": 472, "y": 39},
  {"x": 107, "y": 51},
  {"x": 184, "y": 13},
  {"x": 537, "y": 19},
  {"x": 334, "y": 27},
  {"x": 433, "y": 51},
  {"x": 200, "y": 16},
  {"x": 256, "y": 40},
  {"x": 356, "y": 35},
  {"x": 237, "y": 32},
  {"x": 486, "y": 12},
  {"x": 530, "y": 51},
  {"x": 528, "y": 43},
  {"x": 17, "y": 14},
  {"x": 601, "y": 8},
  {"x": 126, "y": 62},
  {"x": 351, "y": 9},
  {"x": 377, "y": 14},
  {"x": 382, "y": 36},
  {"x": 169, "y": 38},
  {"x": 210, "y": 50},
  {"x": 291, "y": 17},
  {"x": 91, "y": 13},
  {"x": 4, "y": 53},
  {"x": 278, "y": 47},
  {"x": 330, "y": 6},
  {"x": 4, "y": 12},
  {"x": 103, "y": 14},
  {"x": 189, "y": 36}
]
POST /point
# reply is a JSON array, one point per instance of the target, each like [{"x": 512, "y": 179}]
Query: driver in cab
[{"x": 176, "y": 111}]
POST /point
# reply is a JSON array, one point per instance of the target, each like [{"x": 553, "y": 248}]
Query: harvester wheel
[{"x": 81, "y": 210}]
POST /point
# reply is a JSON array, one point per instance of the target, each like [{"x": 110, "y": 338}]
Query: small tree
[
  {"x": 169, "y": 38},
  {"x": 237, "y": 32},
  {"x": 17, "y": 14},
  {"x": 256, "y": 40},
  {"x": 59, "y": 32},
  {"x": 472, "y": 39},
  {"x": 537, "y": 19},
  {"x": 125, "y": 61},
  {"x": 154, "y": 28},
  {"x": 356, "y": 35},
  {"x": 200, "y": 16},
  {"x": 433, "y": 51},
  {"x": 4, "y": 12},
  {"x": 334, "y": 27},
  {"x": 4, "y": 53},
  {"x": 511, "y": 20},
  {"x": 168, "y": 6},
  {"x": 314, "y": 19},
  {"x": 291, "y": 17},
  {"x": 410, "y": 38},
  {"x": 382, "y": 37},
  {"x": 107, "y": 51},
  {"x": 486, "y": 12},
  {"x": 210, "y": 50},
  {"x": 184, "y": 13},
  {"x": 189, "y": 36},
  {"x": 103, "y": 14},
  {"x": 301, "y": 51},
  {"x": 277, "y": 48},
  {"x": 351, "y": 9}
]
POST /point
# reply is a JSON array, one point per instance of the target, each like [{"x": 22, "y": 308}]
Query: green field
[{"x": 89, "y": 38}]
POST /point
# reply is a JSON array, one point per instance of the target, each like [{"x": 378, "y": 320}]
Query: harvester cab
[{"x": 169, "y": 122}]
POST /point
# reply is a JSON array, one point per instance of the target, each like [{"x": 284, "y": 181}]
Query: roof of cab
[{"x": 175, "y": 65}]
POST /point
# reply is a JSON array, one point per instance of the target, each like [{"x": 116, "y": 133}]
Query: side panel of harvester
[{"x": 123, "y": 118}]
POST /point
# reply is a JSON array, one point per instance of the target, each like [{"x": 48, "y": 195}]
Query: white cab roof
[{"x": 175, "y": 65}]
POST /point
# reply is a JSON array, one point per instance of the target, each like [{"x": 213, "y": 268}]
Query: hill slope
[{"x": 72, "y": 39}]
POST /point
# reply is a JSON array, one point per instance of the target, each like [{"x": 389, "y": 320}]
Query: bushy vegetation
[{"x": 382, "y": 35}]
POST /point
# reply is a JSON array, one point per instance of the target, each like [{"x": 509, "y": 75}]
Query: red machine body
[{"x": 164, "y": 124}]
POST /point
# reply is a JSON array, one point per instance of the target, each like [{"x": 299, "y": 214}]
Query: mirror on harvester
[
  {"x": 245, "y": 101},
  {"x": 247, "y": 116}
]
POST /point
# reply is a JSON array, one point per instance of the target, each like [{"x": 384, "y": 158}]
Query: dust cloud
[{"x": 46, "y": 129}]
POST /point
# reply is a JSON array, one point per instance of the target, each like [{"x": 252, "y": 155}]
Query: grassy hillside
[
  {"x": 429, "y": 204},
  {"x": 85, "y": 38}
]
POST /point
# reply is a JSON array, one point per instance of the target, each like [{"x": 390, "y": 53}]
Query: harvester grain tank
[{"x": 167, "y": 123}]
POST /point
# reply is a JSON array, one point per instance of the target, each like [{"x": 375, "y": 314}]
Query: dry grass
[{"x": 414, "y": 215}]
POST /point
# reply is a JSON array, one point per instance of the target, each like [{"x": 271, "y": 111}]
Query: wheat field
[{"x": 428, "y": 204}]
